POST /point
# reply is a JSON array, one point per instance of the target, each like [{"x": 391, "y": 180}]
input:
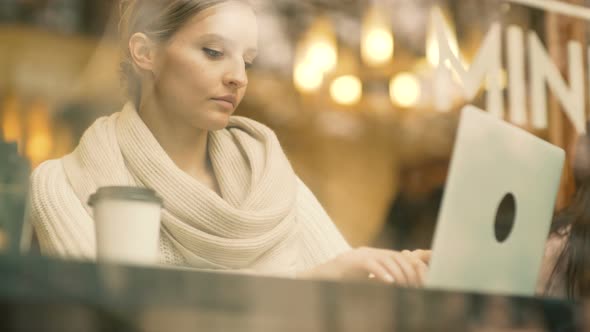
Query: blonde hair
[{"x": 157, "y": 19}]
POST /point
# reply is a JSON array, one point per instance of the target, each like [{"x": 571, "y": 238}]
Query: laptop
[{"x": 496, "y": 210}]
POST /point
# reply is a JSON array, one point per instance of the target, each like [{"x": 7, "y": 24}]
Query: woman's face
[{"x": 201, "y": 71}]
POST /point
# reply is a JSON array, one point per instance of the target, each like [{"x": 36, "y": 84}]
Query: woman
[
  {"x": 566, "y": 267},
  {"x": 232, "y": 200}
]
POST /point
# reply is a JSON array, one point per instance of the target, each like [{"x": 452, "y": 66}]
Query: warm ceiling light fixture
[{"x": 377, "y": 43}]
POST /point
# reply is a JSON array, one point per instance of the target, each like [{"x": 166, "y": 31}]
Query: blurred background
[{"x": 348, "y": 86}]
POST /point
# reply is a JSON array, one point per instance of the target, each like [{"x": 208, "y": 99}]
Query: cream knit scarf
[{"x": 252, "y": 225}]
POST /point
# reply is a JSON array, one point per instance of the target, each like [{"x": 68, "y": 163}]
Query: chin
[{"x": 218, "y": 121}]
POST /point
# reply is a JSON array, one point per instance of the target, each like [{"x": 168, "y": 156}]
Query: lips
[{"x": 231, "y": 99}]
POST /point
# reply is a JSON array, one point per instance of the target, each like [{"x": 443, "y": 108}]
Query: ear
[{"x": 143, "y": 52}]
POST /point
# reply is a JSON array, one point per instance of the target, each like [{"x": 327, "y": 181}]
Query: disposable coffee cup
[{"x": 127, "y": 224}]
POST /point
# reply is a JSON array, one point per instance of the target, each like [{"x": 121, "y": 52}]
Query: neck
[{"x": 184, "y": 144}]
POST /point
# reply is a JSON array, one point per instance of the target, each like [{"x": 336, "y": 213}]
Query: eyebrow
[{"x": 216, "y": 37}]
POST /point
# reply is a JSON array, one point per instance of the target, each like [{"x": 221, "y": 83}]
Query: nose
[{"x": 236, "y": 76}]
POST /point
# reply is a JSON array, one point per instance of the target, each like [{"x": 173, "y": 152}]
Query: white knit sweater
[{"x": 266, "y": 219}]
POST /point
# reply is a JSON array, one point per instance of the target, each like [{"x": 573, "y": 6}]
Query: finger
[
  {"x": 419, "y": 266},
  {"x": 407, "y": 268},
  {"x": 423, "y": 255},
  {"x": 393, "y": 268},
  {"x": 379, "y": 272},
  {"x": 392, "y": 265}
]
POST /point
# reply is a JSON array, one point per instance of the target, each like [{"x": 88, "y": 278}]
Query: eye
[
  {"x": 248, "y": 65},
  {"x": 212, "y": 53}
]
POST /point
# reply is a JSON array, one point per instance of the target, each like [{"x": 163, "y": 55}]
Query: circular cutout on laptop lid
[{"x": 505, "y": 217}]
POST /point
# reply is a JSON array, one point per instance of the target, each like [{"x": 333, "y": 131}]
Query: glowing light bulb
[
  {"x": 322, "y": 55},
  {"x": 307, "y": 77},
  {"x": 346, "y": 90},
  {"x": 377, "y": 46},
  {"x": 404, "y": 89}
]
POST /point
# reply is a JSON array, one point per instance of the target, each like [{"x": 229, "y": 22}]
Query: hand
[{"x": 406, "y": 268}]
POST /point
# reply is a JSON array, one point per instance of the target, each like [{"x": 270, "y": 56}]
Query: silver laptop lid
[{"x": 494, "y": 162}]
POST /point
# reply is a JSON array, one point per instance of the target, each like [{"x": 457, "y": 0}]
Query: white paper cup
[{"x": 127, "y": 224}]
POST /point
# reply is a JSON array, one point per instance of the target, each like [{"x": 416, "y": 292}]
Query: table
[{"x": 44, "y": 294}]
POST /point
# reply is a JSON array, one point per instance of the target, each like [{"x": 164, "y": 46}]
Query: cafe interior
[{"x": 351, "y": 89}]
